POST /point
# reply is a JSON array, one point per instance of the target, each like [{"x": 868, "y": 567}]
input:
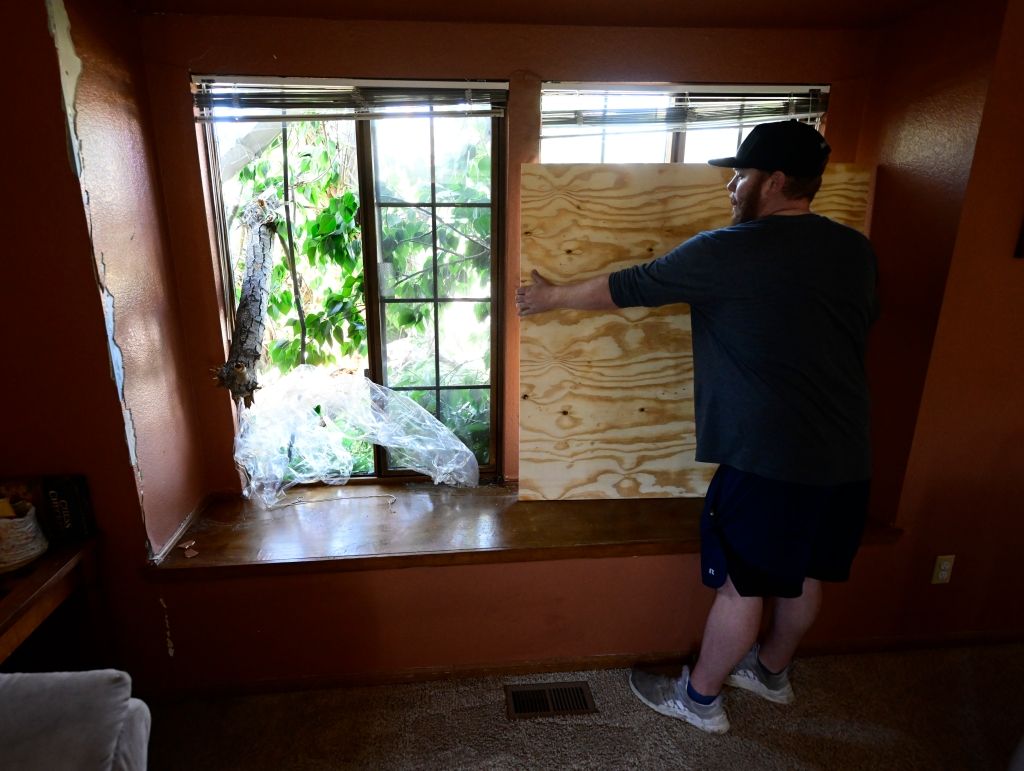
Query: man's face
[{"x": 745, "y": 194}]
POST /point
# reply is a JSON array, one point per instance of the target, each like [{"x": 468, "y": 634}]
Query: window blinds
[
  {"x": 673, "y": 109},
  {"x": 275, "y": 99}
]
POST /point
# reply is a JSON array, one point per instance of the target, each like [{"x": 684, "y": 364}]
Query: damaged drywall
[
  {"x": 70, "y": 73},
  {"x": 117, "y": 362}
]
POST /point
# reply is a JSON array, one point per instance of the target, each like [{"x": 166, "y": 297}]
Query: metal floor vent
[{"x": 548, "y": 700}]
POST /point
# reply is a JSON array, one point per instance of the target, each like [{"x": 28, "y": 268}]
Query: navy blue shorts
[{"x": 768, "y": 535}]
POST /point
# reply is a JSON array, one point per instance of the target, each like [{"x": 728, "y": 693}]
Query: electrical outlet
[{"x": 943, "y": 568}]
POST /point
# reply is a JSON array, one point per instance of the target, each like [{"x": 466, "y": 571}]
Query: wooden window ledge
[{"x": 367, "y": 526}]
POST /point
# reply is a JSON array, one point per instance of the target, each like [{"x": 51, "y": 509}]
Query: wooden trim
[
  {"x": 186, "y": 523},
  {"x": 908, "y": 643},
  {"x": 667, "y": 659},
  {"x": 499, "y": 323},
  {"x": 426, "y": 674}
]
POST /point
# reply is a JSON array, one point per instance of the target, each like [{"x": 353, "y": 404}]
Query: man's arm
[{"x": 591, "y": 294}]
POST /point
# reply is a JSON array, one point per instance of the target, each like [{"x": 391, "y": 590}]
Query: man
[{"x": 781, "y": 303}]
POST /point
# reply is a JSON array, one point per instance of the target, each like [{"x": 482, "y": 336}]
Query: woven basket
[{"x": 21, "y": 541}]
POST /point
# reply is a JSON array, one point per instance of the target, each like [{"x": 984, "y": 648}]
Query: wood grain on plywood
[{"x": 606, "y": 405}]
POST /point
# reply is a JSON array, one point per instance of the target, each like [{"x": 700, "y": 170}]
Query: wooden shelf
[
  {"x": 30, "y": 594},
  {"x": 376, "y": 526}
]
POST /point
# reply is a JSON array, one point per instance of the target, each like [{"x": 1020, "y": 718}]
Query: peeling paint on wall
[
  {"x": 70, "y": 73},
  {"x": 117, "y": 361},
  {"x": 116, "y": 358},
  {"x": 167, "y": 628}
]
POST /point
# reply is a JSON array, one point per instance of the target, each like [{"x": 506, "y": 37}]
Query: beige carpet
[{"x": 959, "y": 708}]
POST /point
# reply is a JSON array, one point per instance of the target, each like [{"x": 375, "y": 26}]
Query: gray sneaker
[
  {"x": 751, "y": 676},
  {"x": 668, "y": 696}
]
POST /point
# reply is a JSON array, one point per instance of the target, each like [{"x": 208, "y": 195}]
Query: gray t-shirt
[{"x": 780, "y": 308}]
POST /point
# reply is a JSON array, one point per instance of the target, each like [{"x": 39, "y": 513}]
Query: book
[{"x": 62, "y": 503}]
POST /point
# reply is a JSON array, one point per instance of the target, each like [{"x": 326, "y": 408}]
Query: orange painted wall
[
  {"x": 947, "y": 215},
  {"x": 964, "y": 489},
  {"x": 61, "y": 412},
  {"x": 177, "y": 46},
  {"x": 368, "y": 625},
  {"x": 926, "y": 109},
  {"x": 298, "y": 626},
  {"x": 306, "y": 626},
  {"x": 120, "y": 180}
]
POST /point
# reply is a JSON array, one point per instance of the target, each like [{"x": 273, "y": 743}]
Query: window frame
[
  {"x": 367, "y": 218},
  {"x": 368, "y": 211}
]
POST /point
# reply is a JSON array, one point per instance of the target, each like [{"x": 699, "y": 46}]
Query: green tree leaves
[{"x": 429, "y": 252}]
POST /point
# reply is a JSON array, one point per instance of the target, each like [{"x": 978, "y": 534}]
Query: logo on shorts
[{"x": 711, "y": 571}]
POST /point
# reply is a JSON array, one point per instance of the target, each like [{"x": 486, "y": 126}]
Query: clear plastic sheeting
[{"x": 298, "y": 426}]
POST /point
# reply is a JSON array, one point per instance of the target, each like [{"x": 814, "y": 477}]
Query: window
[
  {"x": 588, "y": 123},
  {"x": 384, "y": 263}
]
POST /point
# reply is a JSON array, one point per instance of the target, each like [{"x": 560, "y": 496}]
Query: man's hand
[
  {"x": 542, "y": 295},
  {"x": 536, "y": 297}
]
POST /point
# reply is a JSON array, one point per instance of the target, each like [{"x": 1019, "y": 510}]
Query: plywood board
[{"x": 606, "y": 398}]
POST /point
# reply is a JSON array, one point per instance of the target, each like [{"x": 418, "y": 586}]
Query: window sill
[{"x": 363, "y": 527}]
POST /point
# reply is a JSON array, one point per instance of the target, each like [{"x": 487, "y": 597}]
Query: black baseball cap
[{"x": 794, "y": 148}]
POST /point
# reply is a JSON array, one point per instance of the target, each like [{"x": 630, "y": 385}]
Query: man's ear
[{"x": 776, "y": 181}]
